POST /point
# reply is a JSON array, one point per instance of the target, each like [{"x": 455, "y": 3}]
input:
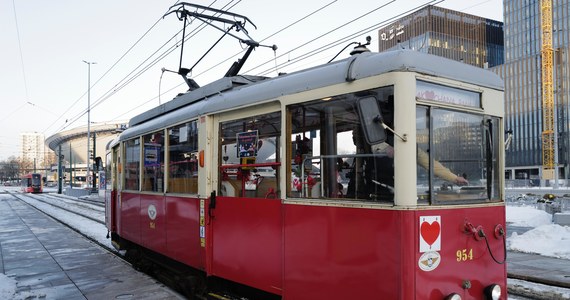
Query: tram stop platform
[{"x": 48, "y": 260}]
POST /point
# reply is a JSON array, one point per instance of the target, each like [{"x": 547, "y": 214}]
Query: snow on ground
[
  {"x": 7, "y": 287},
  {"x": 545, "y": 238}
]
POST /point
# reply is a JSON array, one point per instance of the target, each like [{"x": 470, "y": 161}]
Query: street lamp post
[{"x": 88, "y": 118}]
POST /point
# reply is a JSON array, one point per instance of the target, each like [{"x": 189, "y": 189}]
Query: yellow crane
[{"x": 548, "y": 131}]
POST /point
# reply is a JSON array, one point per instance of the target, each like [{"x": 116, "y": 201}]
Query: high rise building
[
  {"x": 32, "y": 151},
  {"x": 474, "y": 40},
  {"x": 523, "y": 87}
]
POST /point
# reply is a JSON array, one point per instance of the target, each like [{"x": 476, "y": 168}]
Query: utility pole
[
  {"x": 88, "y": 117},
  {"x": 94, "y": 189},
  {"x": 70, "y": 170},
  {"x": 59, "y": 169}
]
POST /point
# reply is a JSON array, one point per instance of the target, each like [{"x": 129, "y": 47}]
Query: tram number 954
[{"x": 464, "y": 255}]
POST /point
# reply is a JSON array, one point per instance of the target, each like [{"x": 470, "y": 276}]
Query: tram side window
[
  {"x": 132, "y": 164},
  {"x": 330, "y": 156},
  {"x": 249, "y": 156},
  {"x": 153, "y": 164},
  {"x": 183, "y": 164}
]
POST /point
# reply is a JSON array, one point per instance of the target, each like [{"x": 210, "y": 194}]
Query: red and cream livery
[{"x": 379, "y": 176}]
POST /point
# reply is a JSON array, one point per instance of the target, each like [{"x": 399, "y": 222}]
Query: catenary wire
[
  {"x": 122, "y": 83},
  {"x": 296, "y": 60},
  {"x": 318, "y": 50},
  {"x": 104, "y": 74},
  {"x": 20, "y": 48}
]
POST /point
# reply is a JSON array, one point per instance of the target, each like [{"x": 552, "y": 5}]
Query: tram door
[
  {"x": 247, "y": 218},
  {"x": 112, "y": 191}
]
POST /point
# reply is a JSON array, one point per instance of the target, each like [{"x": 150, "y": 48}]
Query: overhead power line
[
  {"x": 20, "y": 48},
  {"x": 147, "y": 63},
  {"x": 128, "y": 78},
  {"x": 102, "y": 76}
]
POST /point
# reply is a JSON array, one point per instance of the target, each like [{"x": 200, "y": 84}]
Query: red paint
[
  {"x": 430, "y": 232},
  {"x": 359, "y": 253},
  {"x": 130, "y": 217},
  {"x": 153, "y": 231},
  {"x": 246, "y": 244},
  {"x": 323, "y": 252},
  {"x": 479, "y": 269},
  {"x": 183, "y": 231},
  {"x": 174, "y": 232},
  {"x": 342, "y": 253}
]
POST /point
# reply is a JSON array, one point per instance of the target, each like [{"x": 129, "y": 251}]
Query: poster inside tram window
[
  {"x": 151, "y": 155},
  {"x": 247, "y": 143}
]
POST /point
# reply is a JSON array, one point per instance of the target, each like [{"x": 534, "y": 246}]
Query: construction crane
[{"x": 548, "y": 130}]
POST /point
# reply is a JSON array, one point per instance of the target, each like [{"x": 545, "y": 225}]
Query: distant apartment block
[{"x": 33, "y": 150}]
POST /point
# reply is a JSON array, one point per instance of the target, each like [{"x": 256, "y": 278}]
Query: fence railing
[{"x": 536, "y": 183}]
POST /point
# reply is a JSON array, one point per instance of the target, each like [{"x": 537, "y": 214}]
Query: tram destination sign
[{"x": 449, "y": 95}]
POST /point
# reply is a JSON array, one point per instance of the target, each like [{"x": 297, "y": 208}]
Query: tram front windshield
[
  {"x": 457, "y": 156},
  {"x": 36, "y": 179}
]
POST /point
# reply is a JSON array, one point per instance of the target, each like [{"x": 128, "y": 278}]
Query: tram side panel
[
  {"x": 153, "y": 222},
  {"x": 246, "y": 242},
  {"x": 183, "y": 225},
  {"x": 342, "y": 253},
  {"x": 167, "y": 225},
  {"x": 130, "y": 222}
]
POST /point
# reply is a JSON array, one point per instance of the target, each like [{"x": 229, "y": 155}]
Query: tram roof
[{"x": 246, "y": 90}]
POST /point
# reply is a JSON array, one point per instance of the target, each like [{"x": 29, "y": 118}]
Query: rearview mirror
[{"x": 371, "y": 120}]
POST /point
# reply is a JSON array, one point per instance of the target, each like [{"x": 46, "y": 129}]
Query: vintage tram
[
  {"x": 32, "y": 183},
  {"x": 378, "y": 176}
]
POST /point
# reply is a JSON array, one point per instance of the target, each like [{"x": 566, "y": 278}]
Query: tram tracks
[
  {"x": 87, "y": 213},
  {"x": 74, "y": 200}
]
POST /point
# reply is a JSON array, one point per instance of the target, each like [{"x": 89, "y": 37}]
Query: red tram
[
  {"x": 374, "y": 177},
  {"x": 32, "y": 183}
]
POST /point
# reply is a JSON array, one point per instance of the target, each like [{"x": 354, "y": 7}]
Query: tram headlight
[
  {"x": 493, "y": 291},
  {"x": 453, "y": 296}
]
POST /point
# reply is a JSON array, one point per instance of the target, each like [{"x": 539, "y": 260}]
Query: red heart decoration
[{"x": 430, "y": 232}]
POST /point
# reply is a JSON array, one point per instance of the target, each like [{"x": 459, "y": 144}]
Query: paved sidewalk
[{"x": 50, "y": 261}]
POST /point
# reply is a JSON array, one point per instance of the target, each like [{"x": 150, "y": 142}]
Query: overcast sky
[{"x": 44, "y": 81}]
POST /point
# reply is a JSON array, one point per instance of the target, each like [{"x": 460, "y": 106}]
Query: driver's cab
[
  {"x": 340, "y": 149},
  {"x": 375, "y": 145}
]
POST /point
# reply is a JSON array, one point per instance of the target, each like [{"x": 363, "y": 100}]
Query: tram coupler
[
  {"x": 477, "y": 232},
  {"x": 499, "y": 231}
]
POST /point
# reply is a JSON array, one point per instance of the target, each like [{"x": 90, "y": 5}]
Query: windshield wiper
[{"x": 489, "y": 157}]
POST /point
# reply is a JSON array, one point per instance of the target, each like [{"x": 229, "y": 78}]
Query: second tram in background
[
  {"x": 32, "y": 183},
  {"x": 379, "y": 176}
]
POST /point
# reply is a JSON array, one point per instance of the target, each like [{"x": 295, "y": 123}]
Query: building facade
[
  {"x": 71, "y": 147},
  {"x": 523, "y": 88},
  {"x": 32, "y": 151},
  {"x": 455, "y": 35}
]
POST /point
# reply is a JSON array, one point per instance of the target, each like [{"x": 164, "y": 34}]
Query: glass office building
[
  {"x": 455, "y": 35},
  {"x": 523, "y": 88}
]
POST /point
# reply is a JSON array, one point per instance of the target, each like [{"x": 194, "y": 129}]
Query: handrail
[{"x": 233, "y": 166}]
